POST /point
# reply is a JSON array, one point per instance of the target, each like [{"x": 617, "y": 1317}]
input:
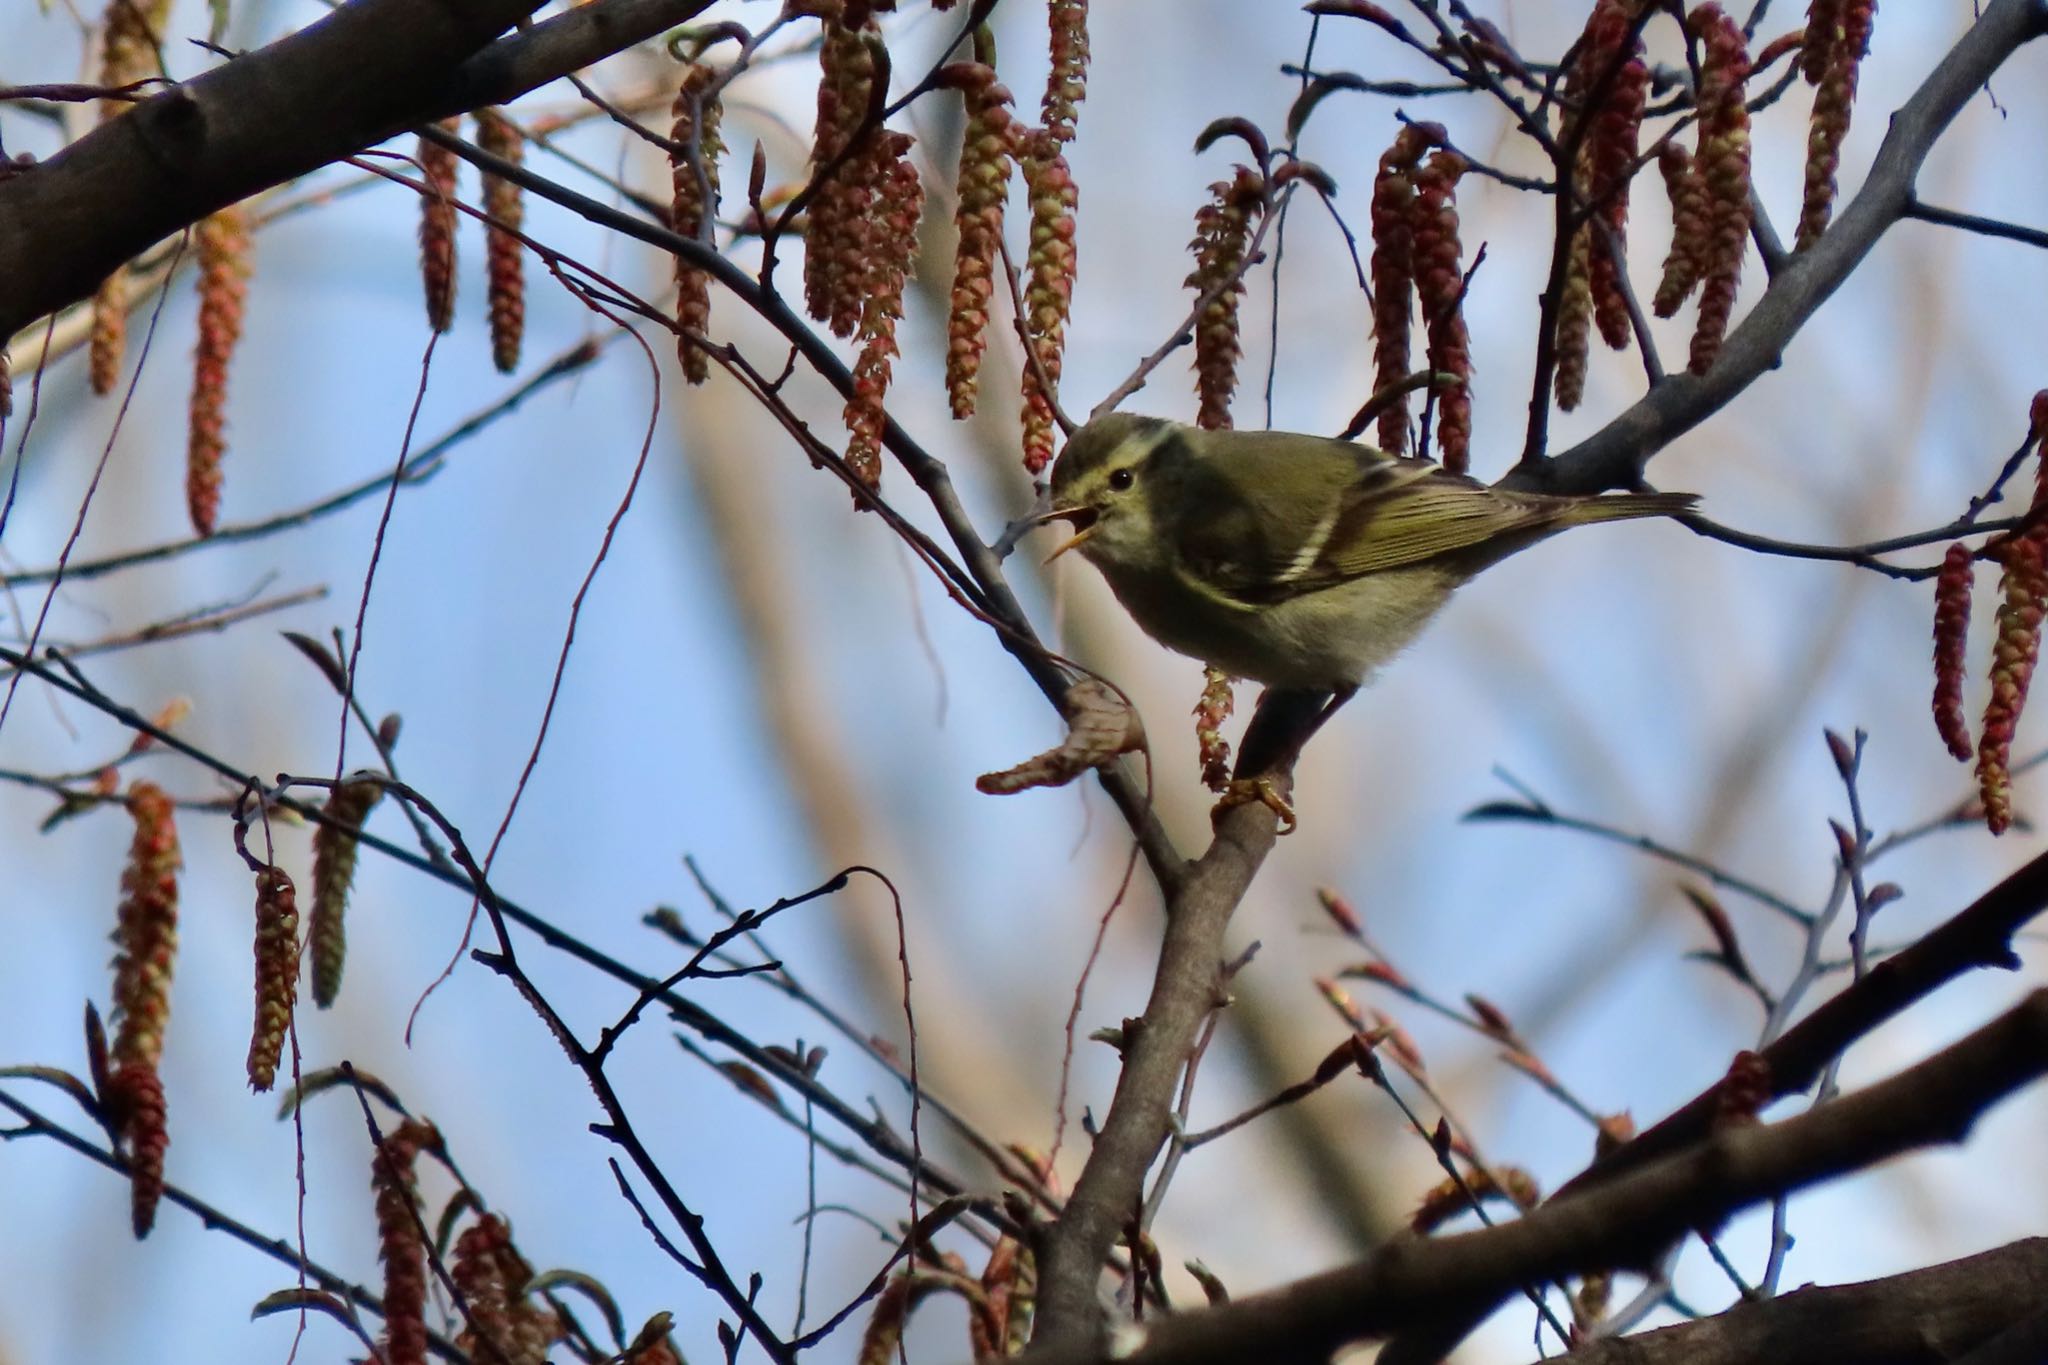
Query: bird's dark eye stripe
[{"x": 1122, "y": 479}]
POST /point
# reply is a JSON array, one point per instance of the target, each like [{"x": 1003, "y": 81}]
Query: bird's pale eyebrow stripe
[
  {"x": 1311, "y": 549},
  {"x": 1149, "y": 442}
]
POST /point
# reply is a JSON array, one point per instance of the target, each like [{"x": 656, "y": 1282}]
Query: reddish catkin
[
  {"x": 504, "y": 254},
  {"x": 892, "y": 241},
  {"x": 109, "y": 336},
  {"x": 493, "y": 1276},
  {"x": 1066, "y": 85},
  {"x": 437, "y": 229},
  {"x": 1211, "y": 710},
  {"x": 1048, "y": 290},
  {"x": 1440, "y": 289},
  {"x": 334, "y": 868},
  {"x": 1822, "y": 36},
  {"x": 697, "y": 118},
  {"x": 1839, "y": 59},
  {"x": 479, "y": 1272},
  {"x": 145, "y": 1129},
  {"x": 1723, "y": 160},
  {"x": 147, "y": 936},
  {"x": 1691, "y": 224},
  {"x": 984, "y": 186},
  {"x": 2013, "y": 656},
  {"x": 838, "y": 212},
  {"x": 221, "y": 243},
  {"x": 1393, "y": 273},
  {"x": 399, "y": 1244},
  {"x": 1951, "y": 640},
  {"x": 1223, "y": 229},
  {"x": 1575, "y": 323},
  {"x": 277, "y": 973},
  {"x": 128, "y": 53},
  {"x": 1610, "y": 66}
]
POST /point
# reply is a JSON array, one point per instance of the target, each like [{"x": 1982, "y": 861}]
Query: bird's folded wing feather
[{"x": 1338, "y": 520}]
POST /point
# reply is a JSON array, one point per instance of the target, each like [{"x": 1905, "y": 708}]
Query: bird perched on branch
[{"x": 1301, "y": 562}]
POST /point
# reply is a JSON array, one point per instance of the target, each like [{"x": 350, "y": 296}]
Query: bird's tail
[{"x": 1623, "y": 506}]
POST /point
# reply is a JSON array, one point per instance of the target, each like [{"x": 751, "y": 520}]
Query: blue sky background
[{"x": 767, "y": 682}]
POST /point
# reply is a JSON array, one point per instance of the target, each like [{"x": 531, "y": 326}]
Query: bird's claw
[{"x": 1246, "y": 790}]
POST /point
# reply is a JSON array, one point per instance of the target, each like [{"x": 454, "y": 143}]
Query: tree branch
[
  {"x": 1156, "y": 1047},
  {"x": 371, "y": 69},
  {"x": 1621, "y": 1223},
  {"x": 1615, "y": 456},
  {"x": 1935, "y": 1314}
]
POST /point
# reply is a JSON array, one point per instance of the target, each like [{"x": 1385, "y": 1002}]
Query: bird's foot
[{"x": 1246, "y": 790}]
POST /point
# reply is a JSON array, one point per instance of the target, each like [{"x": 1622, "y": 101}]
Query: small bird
[{"x": 1292, "y": 560}]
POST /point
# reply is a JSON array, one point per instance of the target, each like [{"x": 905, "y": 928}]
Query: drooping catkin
[
  {"x": 1440, "y": 290},
  {"x": 399, "y": 1243},
  {"x": 437, "y": 229},
  {"x": 503, "y": 1325},
  {"x": 984, "y": 188},
  {"x": 1611, "y": 76},
  {"x": 138, "y": 1099},
  {"x": 1211, "y": 710},
  {"x": 2014, "y": 653},
  {"x": 334, "y": 867},
  {"x": 1723, "y": 161},
  {"x": 1048, "y": 290},
  {"x": 221, "y": 243},
  {"x": 1951, "y": 641},
  {"x": 697, "y": 116},
  {"x": 834, "y": 236},
  {"x": 1223, "y": 228},
  {"x": 1575, "y": 324},
  {"x": 504, "y": 253},
  {"x": 1691, "y": 227},
  {"x": 1066, "y": 84},
  {"x": 146, "y": 940},
  {"x": 129, "y": 41},
  {"x": 277, "y": 973},
  {"x": 1393, "y": 273},
  {"x": 147, "y": 935},
  {"x": 1837, "y": 39},
  {"x": 892, "y": 242}
]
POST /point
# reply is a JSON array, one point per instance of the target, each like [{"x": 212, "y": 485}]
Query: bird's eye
[{"x": 1122, "y": 480}]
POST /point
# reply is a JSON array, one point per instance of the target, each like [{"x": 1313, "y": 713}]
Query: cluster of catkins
[
  {"x": 1416, "y": 261},
  {"x": 127, "y": 1075},
  {"x": 2022, "y": 557},
  {"x": 864, "y": 202},
  {"x": 132, "y": 40}
]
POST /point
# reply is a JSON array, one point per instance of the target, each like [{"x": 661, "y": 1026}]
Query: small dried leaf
[{"x": 1101, "y": 726}]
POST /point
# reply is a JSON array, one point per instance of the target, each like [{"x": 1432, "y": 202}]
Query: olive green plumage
[{"x": 1292, "y": 560}]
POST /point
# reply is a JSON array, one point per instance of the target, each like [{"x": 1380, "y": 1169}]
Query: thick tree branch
[
  {"x": 1978, "y": 936},
  {"x": 370, "y": 70},
  {"x": 1623, "y": 1223},
  {"x": 1923, "y": 1317},
  {"x": 1156, "y": 1047},
  {"x": 1615, "y": 456}
]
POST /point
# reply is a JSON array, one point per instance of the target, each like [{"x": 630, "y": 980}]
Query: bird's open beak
[{"x": 1082, "y": 519}]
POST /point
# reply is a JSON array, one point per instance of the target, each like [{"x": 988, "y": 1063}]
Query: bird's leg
[
  {"x": 1285, "y": 721},
  {"x": 1243, "y": 791}
]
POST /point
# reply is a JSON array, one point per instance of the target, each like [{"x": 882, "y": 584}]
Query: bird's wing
[{"x": 1340, "y": 520}]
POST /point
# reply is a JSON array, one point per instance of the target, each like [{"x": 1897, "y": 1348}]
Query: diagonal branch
[
  {"x": 1945, "y": 1309},
  {"x": 371, "y": 69},
  {"x": 1615, "y": 456},
  {"x": 1626, "y": 1222}
]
